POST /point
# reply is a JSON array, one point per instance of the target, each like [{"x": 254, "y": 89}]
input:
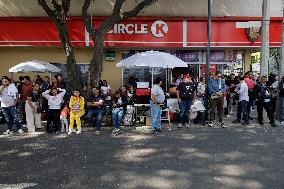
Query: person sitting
[
  {"x": 77, "y": 110},
  {"x": 118, "y": 111},
  {"x": 95, "y": 108}
]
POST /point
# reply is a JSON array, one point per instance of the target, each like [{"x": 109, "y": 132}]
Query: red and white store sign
[{"x": 138, "y": 32}]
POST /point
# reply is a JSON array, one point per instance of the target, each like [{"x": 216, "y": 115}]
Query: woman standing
[
  {"x": 33, "y": 109},
  {"x": 55, "y": 100},
  {"x": 201, "y": 89},
  {"x": 105, "y": 88}
]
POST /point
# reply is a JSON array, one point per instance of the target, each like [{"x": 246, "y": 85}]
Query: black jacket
[
  {"x": 281, "y": 88},
  {"x": 124, "y": 102},
  {"x": 262, "y": 92}
]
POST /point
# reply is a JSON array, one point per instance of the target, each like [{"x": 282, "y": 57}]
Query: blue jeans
[
  {"x": 242, "y": 108},
  {"x": 156, "y": 113},
  {"x": 184, "y": 108},
  {"x": 95, "y": 116},
  {"x": 117, "y": 116},
  {"x": 282, "y": 109},
  {"x": 11, "y": 117}
]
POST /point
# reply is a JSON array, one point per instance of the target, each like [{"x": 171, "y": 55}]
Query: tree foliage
[{"x": 59, "y": 13}]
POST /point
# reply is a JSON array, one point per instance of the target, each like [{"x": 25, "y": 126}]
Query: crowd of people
[
  {"x": 244, "y": 91},
  {"x": 25, "y": 103}
]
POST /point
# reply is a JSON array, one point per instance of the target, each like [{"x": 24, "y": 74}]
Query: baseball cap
[{"x": 186, "y": 76}]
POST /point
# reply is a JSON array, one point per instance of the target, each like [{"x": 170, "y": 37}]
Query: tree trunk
[
  {"x": 96, "y": 65},
  {"x": 71, "y": 66},
  {"x": 72, "y": 74}
]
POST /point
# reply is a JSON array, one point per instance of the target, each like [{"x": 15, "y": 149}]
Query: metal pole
[
  {"x": 281, "y": 68},
  {"x": 206, "y": 103},
  {"x": 265, "y": 38}
]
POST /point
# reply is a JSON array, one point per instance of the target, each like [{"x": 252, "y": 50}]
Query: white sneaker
[
  {"x": 115, "y": 131},
  {"x": 186, "y": 125},
  {"x": 97, "y": 133},
  {"x": 179, "y": 125},
  {"x": 20, "y": 131},
  {"x": 7, "y": 132},
  {"x": 25, "y": 126},
  {"x": 282, "y": 122},
  {"x": 228, "y": 116},
  {"x": 70, "y": 132},
  {"x": 78, "y": 131}
]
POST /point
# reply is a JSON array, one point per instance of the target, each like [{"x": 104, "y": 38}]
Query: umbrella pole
[
  {"x": 152, "y": 77},
  {"x": 50, "y": 80},
  {"x": 167, "y": 79}
]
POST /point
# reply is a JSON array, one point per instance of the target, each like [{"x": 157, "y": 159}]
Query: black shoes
[
  {"x": 158, "y": 130},
  {"x": 261, "y": 123},
  {"x": 246, "y": 124},
  {"x": 210, "y": 124},
  {"x": 273, "y": 125},
  {"x": 155, "y": 130},
  {"x": 237, "y": 121},
  {"x": 223, "y": 125}
]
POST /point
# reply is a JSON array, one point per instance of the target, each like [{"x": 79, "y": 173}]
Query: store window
[{"x": 236, "y": 68}]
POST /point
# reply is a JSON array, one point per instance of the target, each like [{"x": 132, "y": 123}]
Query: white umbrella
[
  {"x": 153, "y": 59},
  {"x": 34, "y": 66}
]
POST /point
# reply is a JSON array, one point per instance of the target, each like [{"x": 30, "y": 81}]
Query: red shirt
[
  {"x": 26, "y": 88},
  {"x": 249, "y": 82}
]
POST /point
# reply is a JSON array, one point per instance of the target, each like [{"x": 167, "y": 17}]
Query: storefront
[{"x": 232, "y": 45}]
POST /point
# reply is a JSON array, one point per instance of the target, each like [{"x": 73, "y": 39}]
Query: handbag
[{"x": 38, "y": 108}]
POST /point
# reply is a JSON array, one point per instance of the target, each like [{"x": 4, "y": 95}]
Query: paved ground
[{"x": 187, "y": 158}]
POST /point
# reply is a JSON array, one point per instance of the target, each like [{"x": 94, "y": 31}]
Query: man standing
[
  {"x": 27, "y": 88},
  {"x": 61, "y": 83},
  {"x": 217, "y": 88},
  {"x": 281, "y": 99},
  {"x": 263, "y": 99},
  {"x": 242, "y": 104},
  {"x": 179, "y": 79},
  {"x": 9, "y": 97},
  {"x": 157, "y": 98},
  {"x": 186, "y": 94}
]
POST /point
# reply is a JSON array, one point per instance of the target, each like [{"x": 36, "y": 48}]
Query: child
[
  {"x": 77, "y": 110},
  {"x": 63, "y": 118}
]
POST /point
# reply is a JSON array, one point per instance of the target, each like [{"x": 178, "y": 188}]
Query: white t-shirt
[
  {"x": 159, "y": 93},
  {"x": 105, "y": 90},
  {"x": 9, "y": 95},
  {"x": 243, "y": 92}
]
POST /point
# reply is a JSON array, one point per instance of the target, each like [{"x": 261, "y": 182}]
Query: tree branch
[
  {"x": 117, "y": 7},
  {"x": 142, "y": 5},
  {"x": 86, "y": 19},
  {"x": 66, "y": 6},
  {"x": 51, "y": 13}
]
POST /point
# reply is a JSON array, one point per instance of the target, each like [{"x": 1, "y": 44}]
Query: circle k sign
[{"x": 159, "y": 28}]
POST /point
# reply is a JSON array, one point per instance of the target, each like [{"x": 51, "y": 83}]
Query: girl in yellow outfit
[{"x": 77, "y": 110}]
